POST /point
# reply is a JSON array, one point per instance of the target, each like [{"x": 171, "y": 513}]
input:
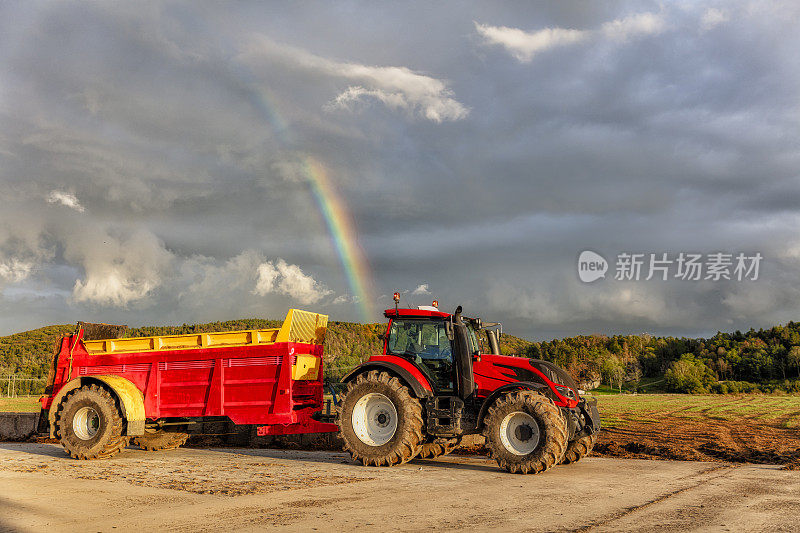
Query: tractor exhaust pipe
[{"x": 494, "y": 346}]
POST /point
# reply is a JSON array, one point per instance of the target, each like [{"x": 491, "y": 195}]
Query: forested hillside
[
  {"x": 764, "y": 360},
  {"x": 727, "y": 362},
  {"x": 27, "y": 353}
]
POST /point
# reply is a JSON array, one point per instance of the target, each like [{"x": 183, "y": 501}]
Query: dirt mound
[
  {"x": 794, "y": 465},
  {"x": 686, "y": 439}
]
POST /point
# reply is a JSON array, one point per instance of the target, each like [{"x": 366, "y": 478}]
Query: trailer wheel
[
  {"x": 160, "y": 440},
  {"x": 433, "y": 447},
  {"x": 579, "y": 448},
  {"x": 525, "y": 432},
  {"x": 380, "y": 422},
  {"x": 89, "y": 424}
]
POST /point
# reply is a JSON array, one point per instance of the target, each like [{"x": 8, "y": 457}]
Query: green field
[
  {"x": 618, "y": 410},
  {"x": 25, "y": 404}
]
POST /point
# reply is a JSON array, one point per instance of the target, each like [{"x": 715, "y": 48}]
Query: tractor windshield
[
  {"x": 474, "y": 345},
  {"x": 419, "y": 338}
]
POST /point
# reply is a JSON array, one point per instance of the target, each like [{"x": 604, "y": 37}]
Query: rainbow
[
  {"x": 332, "y": 207},
  {"x": 343, "y": 234}
]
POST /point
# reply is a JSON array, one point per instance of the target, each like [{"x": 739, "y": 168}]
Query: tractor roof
[{"x": 414, "y": 313}]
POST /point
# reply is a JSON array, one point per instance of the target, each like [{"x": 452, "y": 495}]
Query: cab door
[{"x": 426, "y": 343}]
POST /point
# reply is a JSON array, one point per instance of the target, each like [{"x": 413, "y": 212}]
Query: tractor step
[{"x": 445, "y": 415}]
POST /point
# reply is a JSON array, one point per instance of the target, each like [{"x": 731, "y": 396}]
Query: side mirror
[{"x": 448, "y": 327}]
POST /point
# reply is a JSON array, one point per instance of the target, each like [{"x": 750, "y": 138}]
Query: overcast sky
[{"x": 153, "y": 160}]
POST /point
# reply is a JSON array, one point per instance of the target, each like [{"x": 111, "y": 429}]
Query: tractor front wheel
[
  {"x": 380, "y": 422},
  {"x": 525, "y": 432},
  {"x": 89, "y": 424}
]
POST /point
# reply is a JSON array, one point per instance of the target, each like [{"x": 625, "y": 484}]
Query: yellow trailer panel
[{"x": 299, "y": 326}]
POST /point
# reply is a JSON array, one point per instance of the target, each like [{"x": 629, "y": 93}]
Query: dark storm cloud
[{"x": 480, "y": 148}]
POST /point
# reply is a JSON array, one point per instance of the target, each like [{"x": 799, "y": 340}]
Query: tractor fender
[
  {"x": 131, "y": 400},
  {"x": 528, "y": 385},
  {"x": 418, "y": 384}
]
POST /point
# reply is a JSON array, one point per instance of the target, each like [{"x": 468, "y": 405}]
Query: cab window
[
  {"x": 474, "y": 345},
  {"x": 426, "y": 339},
  {"x": 426, "y": 343}
]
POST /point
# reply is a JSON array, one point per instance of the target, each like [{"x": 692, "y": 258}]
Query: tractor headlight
[{"x": 566, "y": 391}]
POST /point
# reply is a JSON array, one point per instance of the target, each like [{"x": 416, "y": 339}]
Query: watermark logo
[
  {"x": 591, "y": 266},
  {"x": 682, "y": 266}
]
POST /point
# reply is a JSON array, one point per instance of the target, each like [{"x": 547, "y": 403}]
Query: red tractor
[{"x": 432, "y": 385}]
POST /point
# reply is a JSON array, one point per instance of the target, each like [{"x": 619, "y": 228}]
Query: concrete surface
[
  {"x": 17, "y": 426},
  {"x": 254, "y": 490}
]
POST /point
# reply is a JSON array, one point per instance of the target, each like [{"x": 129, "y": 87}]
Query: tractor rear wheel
[
  {"x": 89, "y": 424},
  {"x": 433, "y": 447},
  {"x": 525, "y": 432},
  {"x": 160, "y": 440},
  {"x": 380, "y": 422},
  {"x": 579, "y": 448}
]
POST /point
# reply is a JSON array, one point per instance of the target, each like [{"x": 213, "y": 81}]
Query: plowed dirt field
[{"x": 746, "y": 428}]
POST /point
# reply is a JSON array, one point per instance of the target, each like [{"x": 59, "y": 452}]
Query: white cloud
[
  {"x": 290, "y": 280},
  {"x": 117, "y": 270},
  {"x": 714, "y": 17},
  {"x": 267, "y": 276},
  {"x": 525, "y": 45},
  {"x": 422, "y": 289},
  {"x": 399, "y": 88},
  {"x": 15, "y": 270},
  {"x": 66, "y": 199}
]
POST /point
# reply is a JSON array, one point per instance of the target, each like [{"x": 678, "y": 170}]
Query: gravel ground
[{"x": 256, "y": 489}]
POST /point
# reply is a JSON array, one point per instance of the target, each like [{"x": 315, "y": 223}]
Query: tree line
[
  {"x": 763, "y": 360},
  {"x": 766, "y": 360}
]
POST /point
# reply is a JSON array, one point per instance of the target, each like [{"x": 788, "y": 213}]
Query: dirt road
[{"x": 241, "y": 489}]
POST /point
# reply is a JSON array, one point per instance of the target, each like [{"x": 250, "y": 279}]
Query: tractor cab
[{"x": 441, "y": 345}]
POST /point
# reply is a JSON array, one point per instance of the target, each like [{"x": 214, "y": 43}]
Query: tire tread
[{"x": 533, "y": 463}]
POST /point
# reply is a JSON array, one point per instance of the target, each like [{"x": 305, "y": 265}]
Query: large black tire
[
  {"x": 525, "y": 432},
  {"x": 579, "y": 448},
  {"x": 89, "y": 424},
  {"x": 433, "y": 447},
  {"x": 160, "y": 440},
  {"x": 389, "y": 405}
]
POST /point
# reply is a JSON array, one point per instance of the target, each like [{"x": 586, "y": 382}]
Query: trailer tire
[
  {"x": 160, "y": 440},
  {"x": 380, "y": 422},
  {"x": 89, "y": 424},
  {"x": 433, "y": 447},
  {"x": 579, "y": 448},
  {"x": 525, "y": 432}
]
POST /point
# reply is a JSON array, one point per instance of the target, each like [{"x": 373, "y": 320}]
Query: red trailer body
[{"x": 270, "y": 377}]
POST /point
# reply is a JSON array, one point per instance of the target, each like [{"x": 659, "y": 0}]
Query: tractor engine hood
[{"x": 513, "y": 369}]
